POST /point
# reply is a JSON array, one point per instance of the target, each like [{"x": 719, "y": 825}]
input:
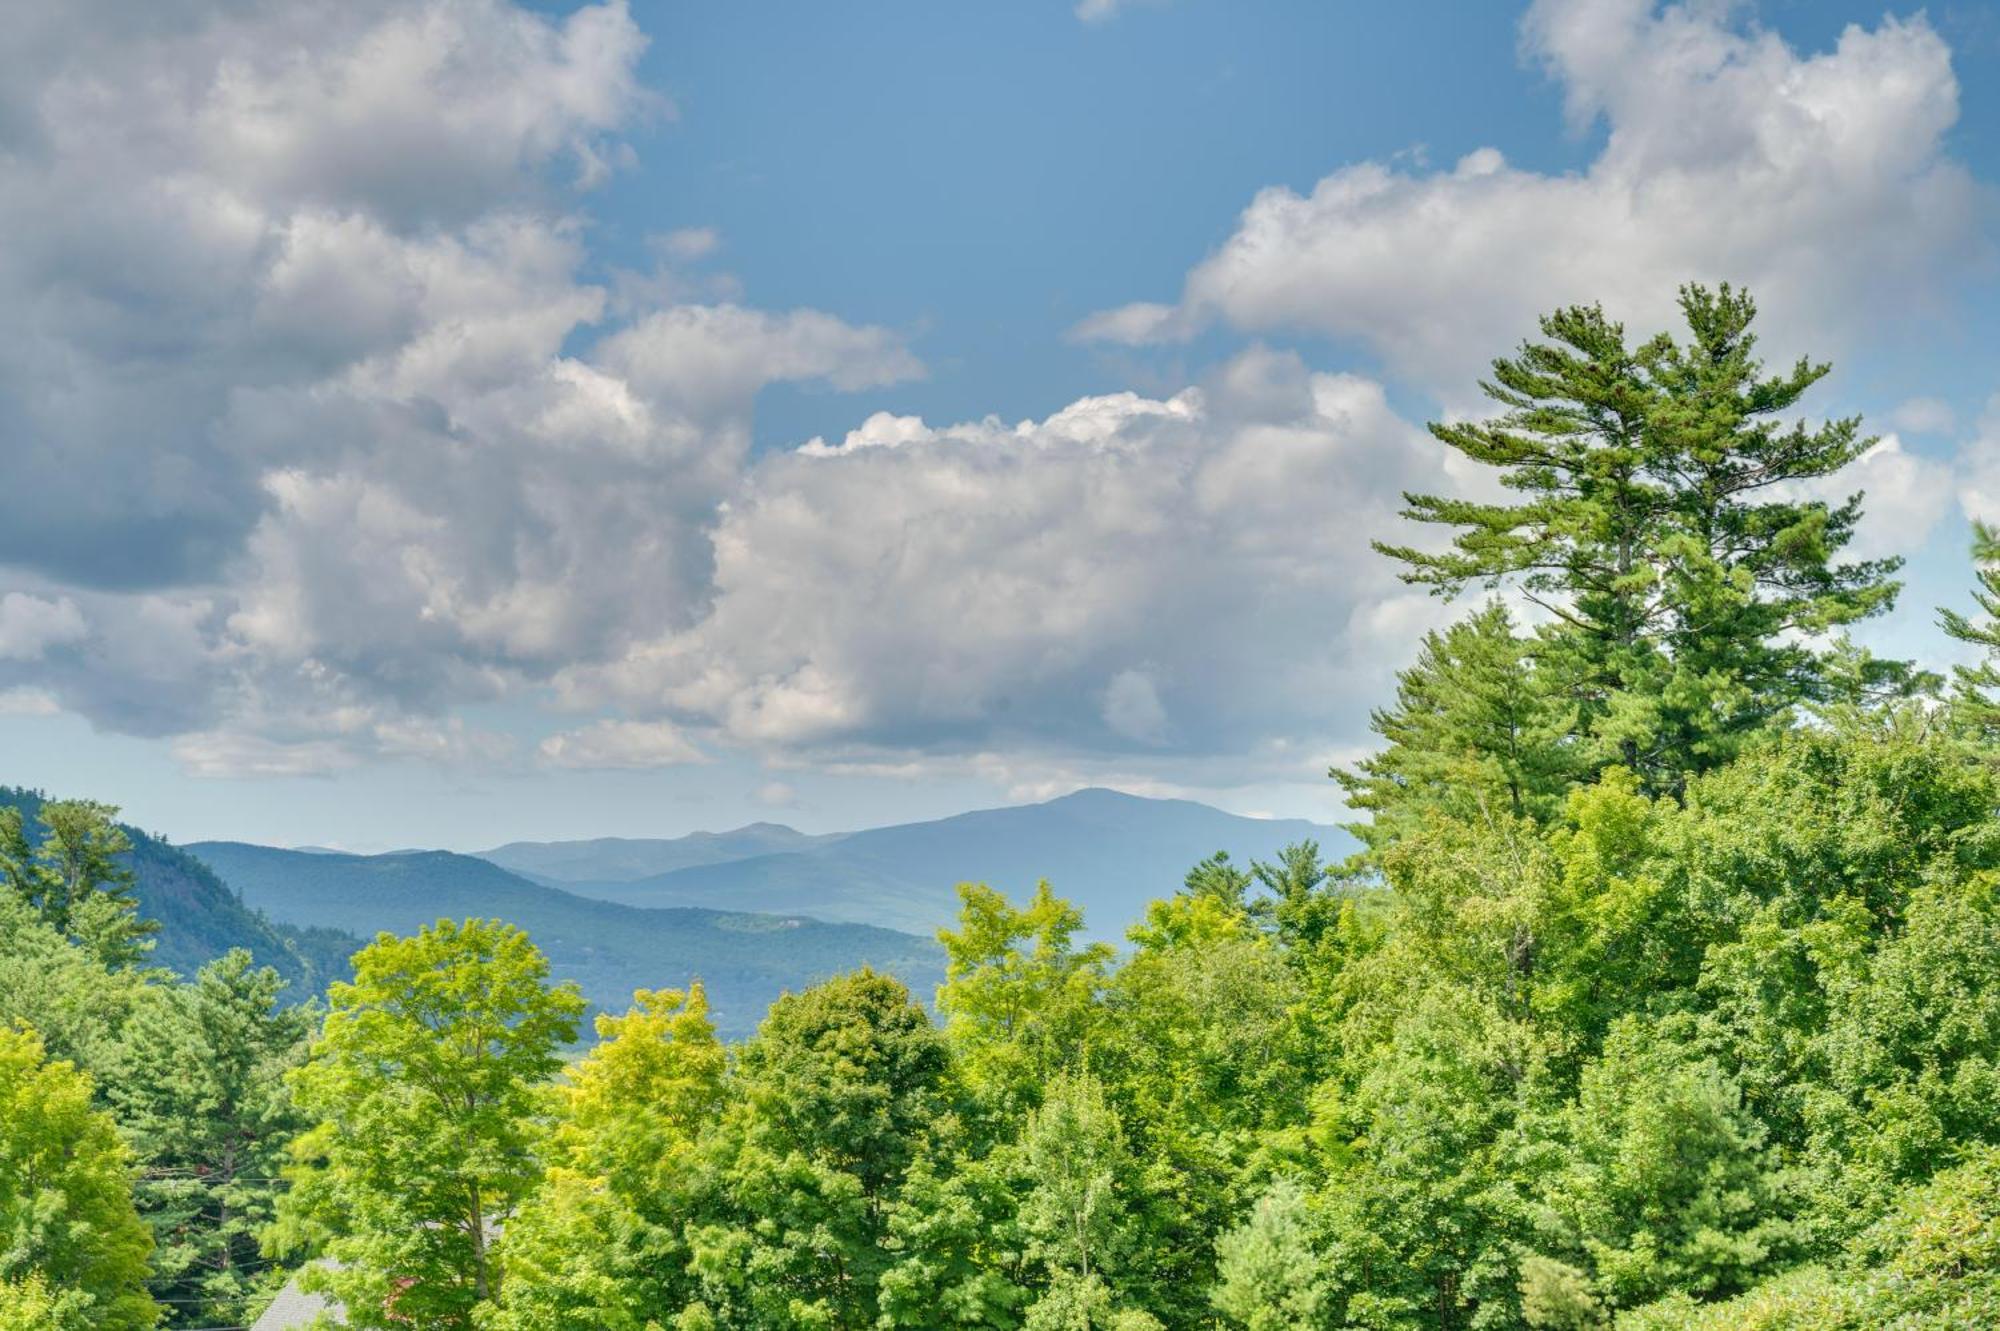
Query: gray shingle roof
[{"x": 294, "y": 1309}]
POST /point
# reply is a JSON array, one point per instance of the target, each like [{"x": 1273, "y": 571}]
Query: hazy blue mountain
[
  {"x": 623, "y": 859},
  {"x": 201, "y": 918},
  {"x": 746, "y": 960},
  {"x": 1109, "y": 852}
]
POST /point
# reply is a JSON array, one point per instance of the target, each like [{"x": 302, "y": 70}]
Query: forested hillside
[
  {"x": 199, "y": 917},
  {"x": 1662, "y": 995}
]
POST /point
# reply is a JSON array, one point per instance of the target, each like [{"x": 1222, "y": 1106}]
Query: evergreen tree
[
  {"x": 1973, "y": 686},
  {"x": 200, "y": 1090},
  {"x": 1685, "y": 592},
  {"x": 76, "y": 878},
  {"x": 424, "y": 1080},
  {"x": 1269, "y": 1277},
  {"x": 1665, "y": 1180},
  {"x": 1478, "y": 732}
]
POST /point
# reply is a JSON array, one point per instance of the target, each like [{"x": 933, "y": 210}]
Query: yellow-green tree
[
  {"x": 70, "y": 1241},
  {"x": 599, "y": 1243}
]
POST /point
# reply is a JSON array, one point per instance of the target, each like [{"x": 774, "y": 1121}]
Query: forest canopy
[{"x": 1663, "y": 994}]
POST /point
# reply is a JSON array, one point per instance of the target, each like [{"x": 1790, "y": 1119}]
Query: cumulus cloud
[
  {"x": 1130, "y": 574},
  {"x": 621, "y": 744},
  {"x": 304, "y": 419},
  {"x": 1819, "y": 180},
  {"x": 215, "y": 199},
  {"x": 327, "y": 432}
]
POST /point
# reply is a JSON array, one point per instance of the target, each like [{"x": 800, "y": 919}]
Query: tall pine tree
[{"x": 1661, "y": 528}]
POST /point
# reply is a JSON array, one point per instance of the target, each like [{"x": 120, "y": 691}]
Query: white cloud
[
  {"x": 1821, "y": 181},
  {"x": 29, "y": 625},
  {"x": 621, "y": 744},
  {"x": 220, "y": 755},
  {"x": 223, "y": 201},
  {"x": 1907, "y": 494},
  {"x": 777, "y": 795},
  {"x": 929, "y": 590},
  {"x": 297, "y": 293},
  {"x": 349, "y": 440}
]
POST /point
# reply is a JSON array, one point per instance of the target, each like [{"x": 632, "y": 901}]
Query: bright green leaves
[
  {"x": 70, "y": 1242},
  {"x": 1268, "y": 1274},
  {"x": 1019, "y": 993},
  {"x": 424, "y": 1080}
]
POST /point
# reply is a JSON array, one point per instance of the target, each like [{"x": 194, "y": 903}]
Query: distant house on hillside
[{"x": 294, "y": 1310}]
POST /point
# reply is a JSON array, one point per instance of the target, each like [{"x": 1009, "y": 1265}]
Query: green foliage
[
  {"x": 1973, "y": 686},
  {"x": 1478, "y": 732},
  {"x": 424, "y": 1083},
  {"x": 598, "y": 1243},
  {"x": 198, "y": 918},
  {"x": 76, "y": 878},
  {"x": 1665, "y": 997},
  {"x": 1664, "y": 1182},
  {"x": 1932, "y": 1263},
  {"x": 1019, "y": 994},
  {"x": 27, "y": 1305},
  {"x": 200, "y": 1091},
  {"x": 840, "y": 1092},
  {"x": 1556, "y": 1296},
  {"x": 1682, "y": 589},
  {"x": 69, "y": 1237},
  {"x": 1268, "y": 1273}
]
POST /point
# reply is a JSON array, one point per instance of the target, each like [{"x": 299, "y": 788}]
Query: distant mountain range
[
  {"x": 201, "y": 918},
  {"x": 625, "y": 859},
  {"x": 751, "y": 912},
  {"x": 1109, "y": 852},
  {"x": 745, "y": 960}
]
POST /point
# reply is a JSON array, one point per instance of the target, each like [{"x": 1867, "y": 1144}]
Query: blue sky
[{"x": 409, "y": 402}]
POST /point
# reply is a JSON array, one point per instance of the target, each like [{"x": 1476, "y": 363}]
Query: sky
[{"x": 447, "y": 422}]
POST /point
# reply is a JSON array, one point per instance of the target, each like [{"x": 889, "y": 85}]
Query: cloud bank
[{"x": 323, "y": 435}]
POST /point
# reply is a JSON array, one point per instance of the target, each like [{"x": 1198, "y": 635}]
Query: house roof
[{"x": 295, "y": 1309}]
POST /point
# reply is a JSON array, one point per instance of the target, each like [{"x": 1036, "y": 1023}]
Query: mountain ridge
[
  {"x": 745, "y": 959},
  {"x": 1108, "y": 851},
  {"x": 624, "y": 859}
]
